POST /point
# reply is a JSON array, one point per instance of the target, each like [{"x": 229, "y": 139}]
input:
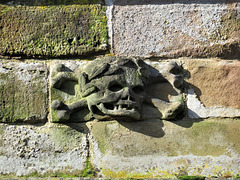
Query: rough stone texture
[
  {"x": 23, "y": 92},
  {"x": 42, "y": 149},
  {"x": 213, "y": 88},
  {"x": 157, "y": 148},
  {"x": 49, "y": 2},
  {"x": 55, "y": 31},
  {"x": 174, "y": 28}
]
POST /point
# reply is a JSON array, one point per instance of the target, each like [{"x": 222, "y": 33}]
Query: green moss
[
  {"x": 51, "y": 2},
  {"x": 88, "y": 171},
  {"x": 65, "y": 136},
  {"x": 34, "y": 174},
  {"x": 53, "y": 31},
  {"x": 180, "y": 137},
  {"x": 58, "y": 174},
  {"x": 192, "y": 177},
  {"x": 22, "y": 101},
  {"x": 54, "y": 116},
  {"x": 59, "y": 94},
  {"x": 129, "y": 175}
]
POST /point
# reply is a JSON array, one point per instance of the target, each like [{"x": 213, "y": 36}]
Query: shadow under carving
[{"x": 153, "y": 128}]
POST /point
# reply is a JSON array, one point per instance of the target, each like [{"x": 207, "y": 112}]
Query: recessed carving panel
[{"x": 115, "y": 88}]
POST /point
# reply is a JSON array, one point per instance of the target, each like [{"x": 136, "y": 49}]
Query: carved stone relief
[{"x": 113, "y": 88}]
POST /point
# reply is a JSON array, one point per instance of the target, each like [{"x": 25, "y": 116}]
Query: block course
[
  {"x": 174, "y": 29},
  {"x": 52, "y": 31}
]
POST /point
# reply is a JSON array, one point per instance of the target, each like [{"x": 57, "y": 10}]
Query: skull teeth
[
  {"x": 118, "y": 107},
  {"x": 124, "y": 107}
]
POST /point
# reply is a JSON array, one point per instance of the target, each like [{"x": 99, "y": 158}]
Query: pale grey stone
[
  {"x": 197, "y": 110},
  {"x": 42, "y": 149},
  {"x": 165, "y": 149},
  {"x": 162, "y": 28}
]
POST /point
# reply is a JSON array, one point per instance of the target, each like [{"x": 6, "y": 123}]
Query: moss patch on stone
[
  {"x": 88, "y": 171},
  {"x": 191, "y": 177},
  {"x": 50, "y": 2},
  {"x": 174, "y": 153},
  {"x": 128, "y": 175},
  {"x": 181, "y": 139},
  {"x": 65, "y": 136},
  {"x": 52, "y": 31},
  {"x": 23, "y": 92}
]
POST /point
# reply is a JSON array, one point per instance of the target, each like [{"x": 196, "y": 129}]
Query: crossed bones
[{"x": 169, "y": 110}]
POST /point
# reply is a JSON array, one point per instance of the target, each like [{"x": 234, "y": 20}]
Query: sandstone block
[
  {"x": 214, "y": 88},
  {"x": 52, "y": 31},
  {"x": 42, "y": 151},
  {"x": 174, "y": 29},
  {"x": 154, "y": 148},
  {"x": 24, "y": 92}
]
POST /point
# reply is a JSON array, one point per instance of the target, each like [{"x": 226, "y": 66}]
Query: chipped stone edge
[{"x": 197, "y": 110}]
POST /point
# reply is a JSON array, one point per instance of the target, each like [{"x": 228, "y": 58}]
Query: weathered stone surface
[
  {"x": 42, "y": 150},
  {"x": 54, "y": 31},
  {"x": 23, "y": 92},
  {"x": 175, "y": 28},
  {"x": 165, "y": 149},
  {"x": 115, "y": 88},
  {"x": 68, "y": 91},
  {"x": 49, "y": 2},
  {"x": 214, "y": 88}
]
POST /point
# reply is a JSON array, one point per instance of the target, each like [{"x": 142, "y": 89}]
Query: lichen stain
[{"x": 52, "y": 31}]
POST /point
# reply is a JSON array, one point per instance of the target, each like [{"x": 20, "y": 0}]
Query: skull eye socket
[
  {"x": 115, "y": 87},
  {"x": 138, "y": 90}
]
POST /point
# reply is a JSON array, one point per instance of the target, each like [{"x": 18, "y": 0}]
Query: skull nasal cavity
[
  {"x": 127, "y": 94},
  {"x": 128, "y": 97}
]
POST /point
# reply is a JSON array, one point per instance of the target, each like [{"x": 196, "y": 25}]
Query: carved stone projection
[{"x": 112, "y": 88}]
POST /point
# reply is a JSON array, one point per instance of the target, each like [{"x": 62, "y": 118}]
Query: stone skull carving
[
  {"x": 118, "y": 88},
  {"x": 113, "y": 88}
]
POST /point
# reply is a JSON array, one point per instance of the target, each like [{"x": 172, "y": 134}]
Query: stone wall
[{"x": 193, "y": 45}]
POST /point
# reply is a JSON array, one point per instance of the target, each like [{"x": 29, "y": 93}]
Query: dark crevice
[
  {"x": 115, "y": 87},
  {"x": 109, "y": 106},
  {"x": 97, "y": 111},
  {"x": 138, "y": 89}
]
